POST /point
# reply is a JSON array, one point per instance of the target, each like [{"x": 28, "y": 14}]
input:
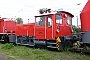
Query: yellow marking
[
  {"x": 58, "y": 46},
  {"x": 58, "y": 40}
]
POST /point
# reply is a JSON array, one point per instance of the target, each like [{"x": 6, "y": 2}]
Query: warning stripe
[
  {"x": 58, "y": 43},
  {"x": 58, "y": 46}
]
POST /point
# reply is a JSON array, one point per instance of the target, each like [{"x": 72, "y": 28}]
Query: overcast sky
[{"x": 27, "y": 9}]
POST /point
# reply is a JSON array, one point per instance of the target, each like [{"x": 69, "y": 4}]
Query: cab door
[
  {"x": 49, "y": 27},
  {"x": 40, "y": 27}
]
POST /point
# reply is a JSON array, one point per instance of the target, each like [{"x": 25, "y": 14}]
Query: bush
[{"x": 7, "y": 46}]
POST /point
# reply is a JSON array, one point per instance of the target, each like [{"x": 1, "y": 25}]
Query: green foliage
[
  {"x": 7, "y": 46},
  {"x": 76, "y": 29},
  {"x": 19, "y": 20},
  {"x": 16, "y": 51},
  {"x": 37, "y": 51}
]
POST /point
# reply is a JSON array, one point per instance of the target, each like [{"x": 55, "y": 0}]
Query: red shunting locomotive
[{"x": 51, "y": 30}]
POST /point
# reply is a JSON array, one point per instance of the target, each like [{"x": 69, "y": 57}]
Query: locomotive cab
[
  {"x": 63, "y": 24},
  {"x": 53, "y": 29},
  {"x": 50, "y": 26}
]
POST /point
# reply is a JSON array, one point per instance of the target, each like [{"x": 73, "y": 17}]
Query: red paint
[
  {"x": 25, "y": 29},
  {"x": 1, "y": 25},
  {"x": 40, "y": 32},
  {"x": 11, "y": 32},
  {"x": 7, "y": 26},
  {"x": 85, "y": 17},
  {"x": 10, "y": 25},
  {"x": 49, "y": 33}
]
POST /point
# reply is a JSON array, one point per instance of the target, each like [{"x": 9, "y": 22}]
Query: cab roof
[
  {"x": 55, "y": 13},
  {"x": 67, "y": 13}
]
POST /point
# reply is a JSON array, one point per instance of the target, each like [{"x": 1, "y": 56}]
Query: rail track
[{"x": 81, "y": 51}]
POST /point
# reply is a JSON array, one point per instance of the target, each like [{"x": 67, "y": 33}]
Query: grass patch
[
  {"x": 7, "y": 46},
  {"x": 26, "y": 53},
  {"x": 40, "y": 57}
]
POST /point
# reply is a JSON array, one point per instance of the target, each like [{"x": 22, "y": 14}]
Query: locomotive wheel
[{"x": 6, "y": 39}]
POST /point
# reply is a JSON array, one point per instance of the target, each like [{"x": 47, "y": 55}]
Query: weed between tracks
[{"x": 27, "y": 53}]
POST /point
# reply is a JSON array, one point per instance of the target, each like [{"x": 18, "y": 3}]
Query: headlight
[{"x": 58, "y": 30}]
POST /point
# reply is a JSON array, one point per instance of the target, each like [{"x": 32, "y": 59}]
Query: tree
[
  {"x": 19, "y": 20},
  {"x": 76, "y": 29}
]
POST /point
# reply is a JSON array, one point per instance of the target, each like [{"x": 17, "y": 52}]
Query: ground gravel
[{"x": 3, "y": 57}]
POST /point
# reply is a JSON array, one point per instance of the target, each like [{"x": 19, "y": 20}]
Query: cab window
[
  {"x": 40, "y": 21},
  {"x": 59, "y": 18},
  {"x": 69, "y": 20},
  {"x": 49, "y": 21}
]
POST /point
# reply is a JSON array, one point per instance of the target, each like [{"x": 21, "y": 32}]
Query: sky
[{"x": 27, "y": 9}]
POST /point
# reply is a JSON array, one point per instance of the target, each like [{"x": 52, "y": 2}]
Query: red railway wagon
[
  {"x": 51, "y": 30},
  {"x": 85, "y": 23},
  {"x": 6, "y": 26}
]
